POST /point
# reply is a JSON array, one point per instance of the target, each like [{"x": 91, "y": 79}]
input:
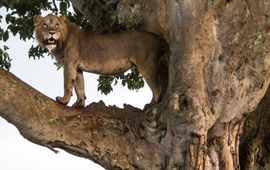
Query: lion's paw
[
  {"x": 61, "y": 100},
  {"x": 78, "y": 104}
]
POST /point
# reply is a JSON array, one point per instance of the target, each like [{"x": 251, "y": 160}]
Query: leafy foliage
[
  {"x": 132, "y": 79},
  {"x": 36, "y": 51},
  {"x": 105, "y": 84},
  {"x": 4, "y": 58},
  {"x": 102, "y": 18}
]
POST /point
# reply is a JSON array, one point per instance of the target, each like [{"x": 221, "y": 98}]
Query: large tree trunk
[{"x": 219, "y": 69}]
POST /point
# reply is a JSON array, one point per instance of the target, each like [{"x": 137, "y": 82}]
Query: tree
[{"x": 218, "y": 72}]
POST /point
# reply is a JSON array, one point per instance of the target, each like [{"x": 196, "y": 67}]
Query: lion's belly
[{"x": 106, "y": 67}]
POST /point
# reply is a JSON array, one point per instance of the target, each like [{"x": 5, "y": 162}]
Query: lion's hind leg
[{"x": 150, "y": 74}]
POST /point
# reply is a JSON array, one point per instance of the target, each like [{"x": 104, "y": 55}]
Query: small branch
[{"x": 51, "y": 148}]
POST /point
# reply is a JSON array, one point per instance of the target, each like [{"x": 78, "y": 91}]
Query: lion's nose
[{"x": 52, "y": 32}]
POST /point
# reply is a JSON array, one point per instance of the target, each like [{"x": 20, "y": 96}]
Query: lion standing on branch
[{"x": 107, "y": 54}]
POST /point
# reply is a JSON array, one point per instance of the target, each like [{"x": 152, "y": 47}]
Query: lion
[{"x": 106, "y": 54}]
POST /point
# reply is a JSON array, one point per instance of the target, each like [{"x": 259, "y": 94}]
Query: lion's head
[{"x": 51, "y": 30}]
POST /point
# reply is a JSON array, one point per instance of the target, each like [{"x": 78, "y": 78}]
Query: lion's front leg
[
  {"x": 69, "y": 81},
  {"x": 79, "y": 89}
]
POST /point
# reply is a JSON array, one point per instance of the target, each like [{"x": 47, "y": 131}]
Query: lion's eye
[
  {"x": 45, "y": 26},
  {"x": 57, "y": 26}
]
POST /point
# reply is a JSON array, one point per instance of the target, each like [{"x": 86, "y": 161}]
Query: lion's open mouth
[{"x": 50, "y": 41}]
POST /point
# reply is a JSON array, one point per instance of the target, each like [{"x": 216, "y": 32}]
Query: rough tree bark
[
  {"x": 219, "y": 69},
  {"x": 254, "y": 147}
]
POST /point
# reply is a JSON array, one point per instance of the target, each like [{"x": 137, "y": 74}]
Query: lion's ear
[
  {"x": 37, "y": 19},
  {"x": 63, "y": 19}
]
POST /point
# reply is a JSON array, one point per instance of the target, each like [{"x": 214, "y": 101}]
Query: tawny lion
[{"x": 107, "y": 54}]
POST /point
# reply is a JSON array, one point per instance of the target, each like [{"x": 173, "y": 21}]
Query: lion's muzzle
[{"x": 50, "y": 43}]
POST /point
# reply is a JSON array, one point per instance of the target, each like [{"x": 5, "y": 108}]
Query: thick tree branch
[{"x": 106, "y": 135}]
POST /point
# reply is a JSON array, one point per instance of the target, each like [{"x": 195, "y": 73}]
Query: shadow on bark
[{"x": 255, "y": 141}]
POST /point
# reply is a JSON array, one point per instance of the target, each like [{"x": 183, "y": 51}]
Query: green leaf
[
  {"x": 63, "y": 6},
  {"x": 6, "y": 47},
  {"x": 105, "y": 84},
  {"x": 8, "y": 18},
  {"x": 1, "y": 58},
  {"x": 5, "y": 36},
  {"x": 37, "y": 51},
  {"x": 4, "y": 59}
]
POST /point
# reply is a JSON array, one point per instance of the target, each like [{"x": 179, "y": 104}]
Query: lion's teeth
[{"x": 50, "y": 41}]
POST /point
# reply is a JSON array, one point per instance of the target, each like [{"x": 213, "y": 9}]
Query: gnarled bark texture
[
  {"x": 255, "y": 141},
  {"x": 219, "y": 69}
]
